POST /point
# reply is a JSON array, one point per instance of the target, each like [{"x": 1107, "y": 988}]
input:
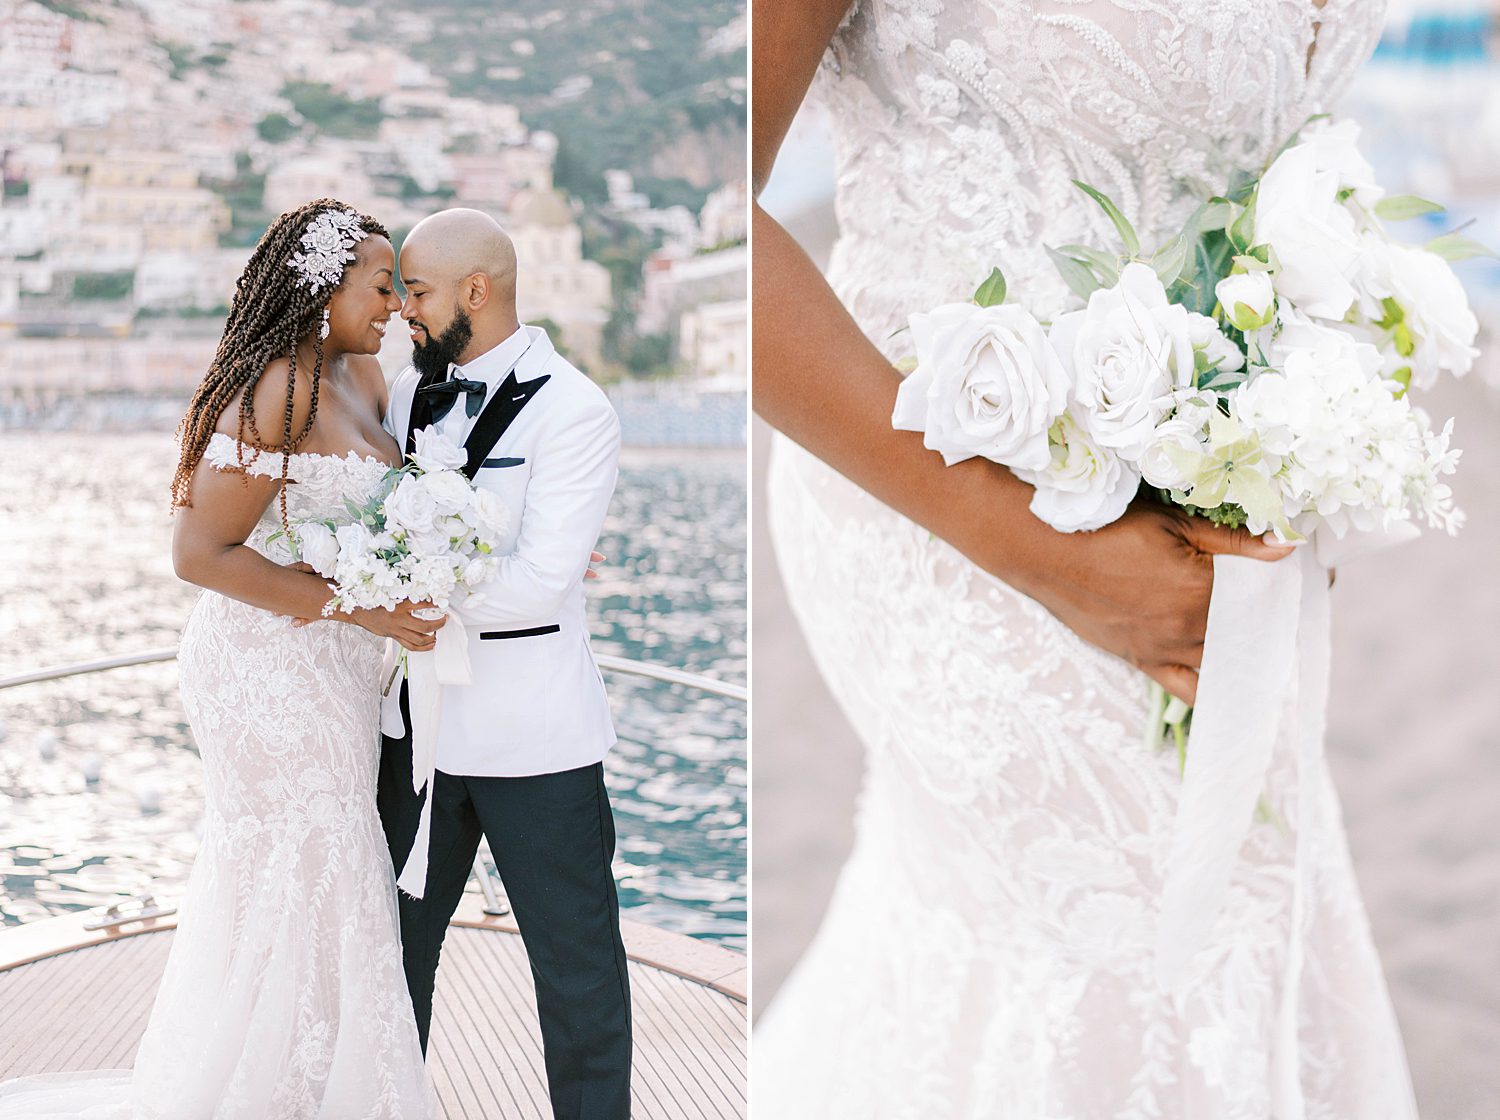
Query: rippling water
[{"x": 85, "y": 527}]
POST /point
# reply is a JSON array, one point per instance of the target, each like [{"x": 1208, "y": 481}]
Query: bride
[
  {"x": 988, "y": 949},
  {"x": 284, "y": 994}
]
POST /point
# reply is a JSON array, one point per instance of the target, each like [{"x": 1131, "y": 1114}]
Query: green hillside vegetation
[
  {"x": 332, "y": 112},
  {"x": 618, "y": 81}
]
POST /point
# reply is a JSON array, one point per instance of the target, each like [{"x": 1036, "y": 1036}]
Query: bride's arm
[
  {"x": 208, "y": 537},
  {"x": 1138, "y": 588}
]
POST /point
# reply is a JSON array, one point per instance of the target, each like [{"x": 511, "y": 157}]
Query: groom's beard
[{"x": 433, "y": 357}]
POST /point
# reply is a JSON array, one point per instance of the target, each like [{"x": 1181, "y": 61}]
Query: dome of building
[{"x": 540, "y": 208}]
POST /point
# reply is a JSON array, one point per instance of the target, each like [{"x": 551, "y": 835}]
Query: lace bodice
[
  {"x": 960, "y": 127},
  {"x": 989, "y": 950},
  {"x": 320, "y": 484}
]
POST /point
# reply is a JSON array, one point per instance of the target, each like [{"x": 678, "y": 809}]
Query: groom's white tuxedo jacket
[{"x": 548, "y": 443}]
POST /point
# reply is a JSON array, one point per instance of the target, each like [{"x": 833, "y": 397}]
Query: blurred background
[
  {"x": 145, "y": 146},
  {"x": 1414, "y": 731}
]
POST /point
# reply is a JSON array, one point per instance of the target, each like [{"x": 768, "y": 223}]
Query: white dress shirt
[{"x": 491, "y": 368}]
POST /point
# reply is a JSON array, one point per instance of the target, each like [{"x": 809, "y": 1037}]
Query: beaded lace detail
[
  {"x": 284, "y": 995},
  {"x": 988, "y": 950}
]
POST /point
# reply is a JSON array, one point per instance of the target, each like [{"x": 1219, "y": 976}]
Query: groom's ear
[{"x": 475, "y": 290}]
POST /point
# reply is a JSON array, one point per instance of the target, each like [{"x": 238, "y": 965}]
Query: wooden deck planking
[
  {"x": 707, "y": 1059},
  {"x": 510, "y": 1060},
  {"x": 87, "y": 1009}
]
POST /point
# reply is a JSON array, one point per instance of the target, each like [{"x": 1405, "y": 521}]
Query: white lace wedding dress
[
  {"x": 284, "y": 997},
  {"x": 988, "y": 950}
]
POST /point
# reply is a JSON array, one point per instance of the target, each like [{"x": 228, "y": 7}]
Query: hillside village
[{"x": 147, "y": 143}]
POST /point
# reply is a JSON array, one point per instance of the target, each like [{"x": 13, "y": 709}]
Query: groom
[{"x": 519, "y": 751}]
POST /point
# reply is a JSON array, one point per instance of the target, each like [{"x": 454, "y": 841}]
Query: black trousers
[{"x": 553, "y": 837}]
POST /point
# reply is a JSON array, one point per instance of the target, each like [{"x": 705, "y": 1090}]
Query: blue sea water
[{"x": 85, "y": 521}]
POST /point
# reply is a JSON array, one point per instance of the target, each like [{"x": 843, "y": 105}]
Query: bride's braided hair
[{"x": 271, "y": 312}]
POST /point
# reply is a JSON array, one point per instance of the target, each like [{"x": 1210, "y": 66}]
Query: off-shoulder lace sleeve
[{"x": 225, "y": 453}]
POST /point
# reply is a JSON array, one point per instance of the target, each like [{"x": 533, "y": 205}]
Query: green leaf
[
  {"x": 1400, "y": 207},
  {"x": 1393, "y": 314},
  {"x": 1106, "y": 266},
  {"x": 1456, "y": 247},
  {"x": 1214, "y": 214},
  {"x": 1223, "y": 380},
  {"x": 1076, "y": 275},
  {"x": 992, "y": 292},
  {"x": 1405, "y": 344},
  {"x": 1126, "y": 230},
  {"x": 1170, "y": 260},
  {"x": 1403, "y": 376},
  {"x": 1242, "y": 185},
  {"x": 1242, "y": 229}
]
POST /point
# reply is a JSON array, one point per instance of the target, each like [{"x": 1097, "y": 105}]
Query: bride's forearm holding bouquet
[
  {"x": 1138, "y": 588},
  {"x": 209, "y": 549}
]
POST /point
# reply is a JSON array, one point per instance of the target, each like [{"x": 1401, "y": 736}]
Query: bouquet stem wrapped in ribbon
[
  {"x": 1257, "y": 370},
  {"x": 426, "y": 535}
]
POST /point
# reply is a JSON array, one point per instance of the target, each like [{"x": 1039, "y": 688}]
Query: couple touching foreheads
[{"x": 300, "y": 983}]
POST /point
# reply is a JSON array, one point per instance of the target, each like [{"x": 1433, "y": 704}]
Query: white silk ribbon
[
  {"x": 1248, "y": 674},
  {"x": 447, "y": 663},
  {"x": 1265, "y": 664}
]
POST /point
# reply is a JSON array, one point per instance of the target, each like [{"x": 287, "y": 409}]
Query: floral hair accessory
[{"x": 326, "y": 248}]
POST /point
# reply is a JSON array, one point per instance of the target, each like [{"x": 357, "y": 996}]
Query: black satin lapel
[
  {"x": 498, "y": 415},
  {"x": 419, "y": 415}
]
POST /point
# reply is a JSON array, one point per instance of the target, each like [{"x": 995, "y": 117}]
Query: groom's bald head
[
  {"x": 453, "y": 244},
  {"x": 460, "y": 261}
]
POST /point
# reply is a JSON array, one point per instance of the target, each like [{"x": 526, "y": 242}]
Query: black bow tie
[{"x": 440, "y": 396}]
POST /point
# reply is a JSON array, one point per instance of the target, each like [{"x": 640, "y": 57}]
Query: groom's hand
[{"x": 1139, "y": 587}]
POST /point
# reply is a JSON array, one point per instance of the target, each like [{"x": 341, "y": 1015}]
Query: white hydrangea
[{"x": 1343, "y": 449}]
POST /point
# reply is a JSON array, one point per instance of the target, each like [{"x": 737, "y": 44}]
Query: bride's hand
[
  {"x": 416, "y": 634},
  {"x": 1139, "y": 588}
]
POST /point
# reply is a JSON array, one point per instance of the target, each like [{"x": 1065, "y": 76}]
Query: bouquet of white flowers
[
  {"x": 1254, "y": 370},
  {"x": 1257, "y": 370},
  {"x": 426, "y": 534}
]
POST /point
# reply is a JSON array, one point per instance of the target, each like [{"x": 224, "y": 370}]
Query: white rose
[
  {"x": 477, "y": 571},
  {"x": 354, "y": 542},
  {"x": 1439, "y": 326},
  {"x": 1248, "y": 299},
  {"x": 1128, "y": 350},
  {"x": 490, "y": 515},
  {"x": 1213, "y": 345},
  {"x": 1335, "y": 149},
  {"x": 317, "y": 545},
  {"x": 449, "y": 490},
  {"x": 987, "y": 383},
  {"x": 1314, "y": 237},
  {"x": 1086, "y": 485},
  {"x": 436, "y": 452},
  {"x": 1161, "y": 464},
  {"x": 410, "y": 506}
]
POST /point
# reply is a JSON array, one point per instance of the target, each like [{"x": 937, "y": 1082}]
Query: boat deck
[{"x": 79, "y": 1001}]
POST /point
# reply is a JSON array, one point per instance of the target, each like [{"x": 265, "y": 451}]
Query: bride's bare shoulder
[
  {"x": 365, "y": 371},
  {"x": 790, "y": 38},
  {"x": 268, "y": 407}
]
